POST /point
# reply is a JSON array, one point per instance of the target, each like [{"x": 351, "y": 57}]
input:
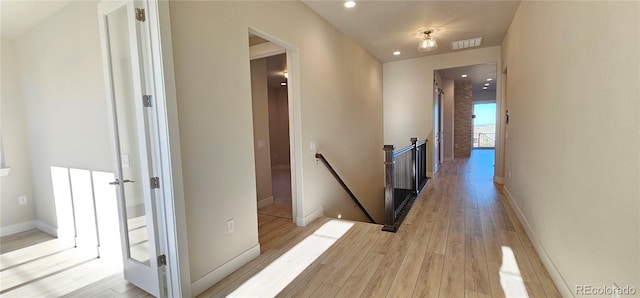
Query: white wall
[
  {"x": 408, "y": 94},
  {"x": 260, "y": 104},
  {"x": 63, "y": 87},
  {"x": 339, "y": 94},
  {"x": 15, "y": 143},
  {"x": 573, "y": 147},
  {"x": 449, "y": 104}
]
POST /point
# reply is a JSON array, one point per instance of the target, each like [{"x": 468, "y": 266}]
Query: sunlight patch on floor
[
  {"x": 510, "y": 277},
  {"x": 275, "y": 277}
]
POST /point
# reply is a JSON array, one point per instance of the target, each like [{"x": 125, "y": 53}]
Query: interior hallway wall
[
  {"x": 574, "y": 137},
  {"x": 63, "y": 87},
  {"x": 339, "y": 89},
  {"x": 279, "y": 127},
  {"x": 448, "y": 106},
  {"x": 260, "y": 105},
  {"x": 13, "y": 216}
]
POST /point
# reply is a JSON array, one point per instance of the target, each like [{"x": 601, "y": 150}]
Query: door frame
[
  {"x": 295, "y": 122},
  {"x": 173, "y": 241}
]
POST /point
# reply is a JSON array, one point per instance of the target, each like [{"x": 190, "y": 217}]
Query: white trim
[
  {"x": 178, "y": 276},
  {"x": 303, "y": 221},
  {"x": 555, "y": 274},
  {"x": 49, "y": 229},
  {"x": 498, "y": 179},
  {"x": 263, "y": 50},
  {"x": 281, "y": 167},
  {"x": 265, "y": 202},
  {"x": 17, "y": 228},
  {"x": 211, "y": 278}
]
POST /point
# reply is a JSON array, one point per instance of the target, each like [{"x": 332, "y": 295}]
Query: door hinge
[
  {"x": 155, "y": 182},
  {"x": 147, "y": 101},
  {"x": 162, "y": 260},
  {"x": 140, "y": 15}
]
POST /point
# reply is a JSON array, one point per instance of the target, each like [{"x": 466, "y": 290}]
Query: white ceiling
[
  {"x": 476, "y": 74},
  {"x": 18, "y": 16},
  {"x": 383, "y": 27}
]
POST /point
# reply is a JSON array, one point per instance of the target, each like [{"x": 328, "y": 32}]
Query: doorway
[
  {"x": 272, "y": 141},
  {"x": 484, "y": 125}
]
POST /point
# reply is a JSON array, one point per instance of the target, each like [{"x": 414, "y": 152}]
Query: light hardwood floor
[
  {"x": 34, "y": 264},
  {"x": 281, "y": 189},
  {"x": 461, "y": 239}
]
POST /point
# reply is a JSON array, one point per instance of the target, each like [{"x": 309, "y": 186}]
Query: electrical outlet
[
  {"x": 22, "y": 200},
  {"x": 231, "y": 226}
]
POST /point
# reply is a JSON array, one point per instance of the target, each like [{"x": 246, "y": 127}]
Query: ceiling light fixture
[
  {"x": 464, "y": 75},
  {"x": 484, "y": 88},
  {"x": 350, "y": 4},
  {"x": 489, "y": 79},
  {"x": 396, "y": 53},
  {"x": 285, "y": 74},
  {"x": 427, "y": 43},
  {"x": 283, "y": 84},
  {"x": 487, "y": 84}
]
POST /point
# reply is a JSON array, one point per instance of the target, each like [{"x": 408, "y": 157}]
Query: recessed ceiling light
[
  {"x": 350, "y": 4},
  {"x": 489, "y": 79},
  {"x": 487, "y": 84},
  {"x": 464, "y": 75},
  {"x": 484, "y": 88},
  {"x": 283, "y": 84},
  {"x": 396, "y": 53}
]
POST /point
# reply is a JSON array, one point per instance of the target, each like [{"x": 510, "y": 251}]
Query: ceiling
[
  {"x": 18, "y": 16},
  {"x": 476, "y": 74},
  {"x": 383, "y": 27}
]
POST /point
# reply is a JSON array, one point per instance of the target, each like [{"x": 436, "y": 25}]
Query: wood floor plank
[
  {"x": 494, "y": 279},
  {"x": 511, "y": 241},
  {"x": 325, "y": 291},
  {"x": 380, "y": 282},
  {"x": 452, "y": 283},
  {"x": 361, "y": 276},
  {"x": 407, "y": 275},
  {"x": 428, "y": 284},
  {"x": 476, "y": 272}
]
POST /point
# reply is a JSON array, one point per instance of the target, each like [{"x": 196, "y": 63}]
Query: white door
[{"x": 133, "y": 140}]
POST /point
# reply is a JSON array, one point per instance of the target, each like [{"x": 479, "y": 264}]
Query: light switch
[{"x": 313, "y": 145}]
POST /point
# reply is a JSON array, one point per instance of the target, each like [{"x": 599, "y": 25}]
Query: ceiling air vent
[{"x": 467, "y": 43}]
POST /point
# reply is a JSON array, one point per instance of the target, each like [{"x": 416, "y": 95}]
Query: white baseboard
[
  {"x": 51, "y": 230},
  {"x": 281, "y": 167},
  {"x": 265, "y": 202},
  {"x": 211, "y": 278},
  {"x": 17, "y": 228},
  {"x": 555, "y": 274},
  {"x": 303, "y": 221},
  {"x": 28, "y": 225},
  {"x": 499, "y": 180}
]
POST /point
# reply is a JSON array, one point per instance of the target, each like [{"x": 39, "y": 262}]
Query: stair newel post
[
  {"x": 389, "y": 215},
  {"x": 414, "y": 162}
]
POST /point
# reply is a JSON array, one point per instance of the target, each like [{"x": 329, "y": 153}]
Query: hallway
[{"x": 460, "y": 239}]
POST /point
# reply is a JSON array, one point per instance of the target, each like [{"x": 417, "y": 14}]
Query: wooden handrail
[{"x": 346, "y": 188}]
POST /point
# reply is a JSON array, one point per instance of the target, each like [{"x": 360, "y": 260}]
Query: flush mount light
[
  {"x": 489, "y": 79},
  {"x": 427, "y": 43},
  {"x": 487, "y": 84},
  {"x": 285, "y": 74},
  {"x": 283, "y": 84},
  {"x": 396, "y": 53},
  {"x": 464, "y": 75},
  {"x": 350, "y": 4},
  {"x": 484, "y": 88}
]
